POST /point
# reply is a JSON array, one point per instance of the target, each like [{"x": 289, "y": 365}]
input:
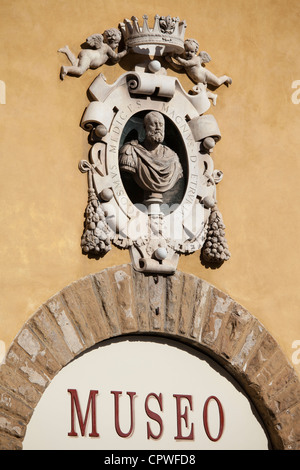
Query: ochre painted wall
[{"x": 43, "y": 195}]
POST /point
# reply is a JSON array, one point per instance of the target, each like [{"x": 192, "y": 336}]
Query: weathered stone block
[
  {"x": 141, "y": 299},
  {"x": 20, "y": 361},
  {"x": 249, "y": 346},
  {"x": 121, "y": 286},
  {"x": 266, "y": 377},
  {"x": 281, "y": 380},
  {"x": 86, "y": 310},
  {"x": 12, "y": 381},
  {"x": 13, "y": 426},
  {"x": 108, "y": 302},
  {"x": 236, "y": 328},
  {"x": 8, "y": 442},
  {"x": 46, "y": 329},
  {"x": 9, "y": 402},
  {"x": 287, "y": 397},
  {"x": 289, "y": 428},
  {"x": 63, "y": 319},
  {"x": 37, "y": 352},
  {"x": 188, "y": 300},
  {"x": 216, "y": 319},
  {"x": 174, "y": 289},
  {"x": 157, "y": 302},
  {"x": 201, "y": 308},
  {"x": 263, "y": 353}
]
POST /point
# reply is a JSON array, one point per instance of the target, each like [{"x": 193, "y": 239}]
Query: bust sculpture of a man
[{"x": 154, "y": 166}]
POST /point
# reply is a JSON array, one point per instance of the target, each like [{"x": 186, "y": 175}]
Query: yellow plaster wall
[{"x": 43, "y": 195}]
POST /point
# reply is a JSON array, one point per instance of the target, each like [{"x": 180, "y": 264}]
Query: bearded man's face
[{"x": 155, "y": 128}]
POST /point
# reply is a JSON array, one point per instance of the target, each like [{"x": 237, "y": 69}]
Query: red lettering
[
  {"x": 205, "y": 420},
  {"x": 183, "y": 416},
  {"x": 185, "y": 428},
  {"x": 154, "y": 416},
  {"x": 117, "y": 414},
  {"x": 82, "y": 424}
]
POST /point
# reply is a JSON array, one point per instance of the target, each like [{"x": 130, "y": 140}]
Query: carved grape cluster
[
  {"x": 96, "y": 236},
  {"x": 215, "y": 249}
]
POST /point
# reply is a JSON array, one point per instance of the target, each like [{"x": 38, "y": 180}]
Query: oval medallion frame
[{"x": 181, "y": 229}]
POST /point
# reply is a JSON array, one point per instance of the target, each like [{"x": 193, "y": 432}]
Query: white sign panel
[{"x": 144, "y": 394}]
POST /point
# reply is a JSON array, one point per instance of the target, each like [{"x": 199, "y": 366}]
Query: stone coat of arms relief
[{"x": 151, "y": 177}]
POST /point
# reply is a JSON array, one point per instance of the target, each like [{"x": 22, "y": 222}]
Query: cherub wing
[{"x": 205, "y": 57}]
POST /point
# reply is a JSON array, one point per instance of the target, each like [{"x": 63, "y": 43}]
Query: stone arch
[{"x": 119, "y": 301}]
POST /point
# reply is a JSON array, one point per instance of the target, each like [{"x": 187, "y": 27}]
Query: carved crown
[{"x": 167, "y": 35}]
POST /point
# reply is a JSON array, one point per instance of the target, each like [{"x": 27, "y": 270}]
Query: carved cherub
[
  {"x": 96, "y": 55},
  {"x": 192, "y": 63},
  {"x": 112, "y": 37}
]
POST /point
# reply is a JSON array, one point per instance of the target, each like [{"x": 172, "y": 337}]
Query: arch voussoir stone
[{"x": 119, "y": 301}]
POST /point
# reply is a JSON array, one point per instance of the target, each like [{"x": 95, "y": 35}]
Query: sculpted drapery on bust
[{"x": 154, "y": 166}]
